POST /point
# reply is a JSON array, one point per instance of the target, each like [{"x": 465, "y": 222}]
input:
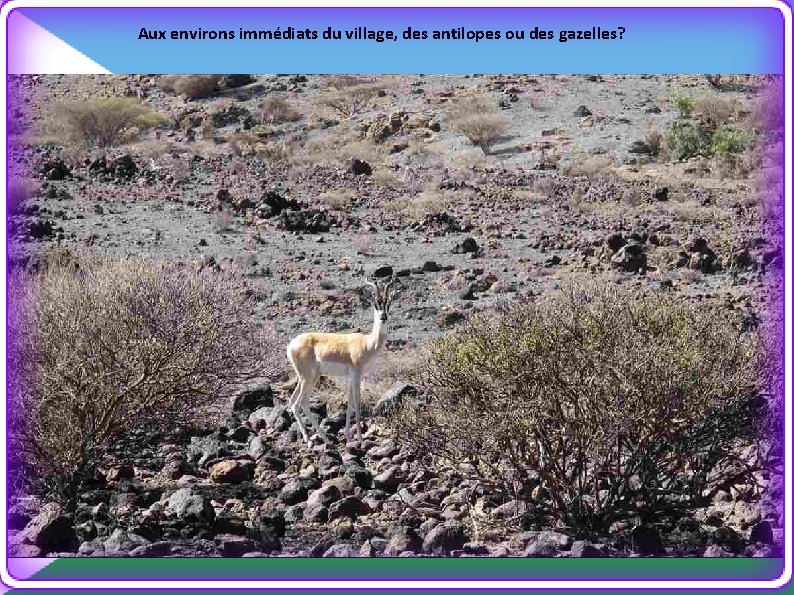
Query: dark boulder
[
  {"x": 645, "y": 540},
  {"x": 251, "y": 398},
  {"x": 359, "y": 168},
  {"x": 469, "y": 245},
  {"x": 631, "y": 258},
  {"x": 52, "y": 530},
  {"x": 444, "y": 538}
]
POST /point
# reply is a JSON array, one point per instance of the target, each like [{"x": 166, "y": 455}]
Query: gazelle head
[{"x": 382, "y": 296}]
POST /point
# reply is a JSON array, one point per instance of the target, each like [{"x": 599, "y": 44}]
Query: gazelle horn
[{"x": 375, "y": 286}]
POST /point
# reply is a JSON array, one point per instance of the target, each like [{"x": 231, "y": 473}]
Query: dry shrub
[
  {"x": 484, "y": 130},
  {"x": 463, "y": 163},
  {"x": 343, "y": 81},
  {"x": 429, "y": 202},
  {"x": 349, "y": 101},
  {"x": 247, "y": 142},
  {"x": 385, "y": 179},
  {"x": 654, "y": 139},
  {"x": 280, "y": 151},
  {"x": 390, "y": 368},
  {"x": 103, "y": 122},
  {"x": 192, "y": 86},
  {"x": 731, "y": 166},
  {"x": 603, "y": 400},
  {"x": 467, "y": 167},
  {"x": 772, "y": 424},
  {"x": 768, "y": 111},
  {"x": 713, "y": 112},
  {"x": 365, "y": 150},
  {"x": 478, "y": 120},
  {"x": 153, "y": 148},
  {"x": 276, "y": 110},
  {"x": 339, "y": 149},
  {"x": 338, "y": 201},
  {"x": 690, "y": 276},
  {"x": 244, "y": 142},
  {"x": 471, "y": 105},
  {"x": 207, "y": 128},
  {"x": 100, "y": 345},
  {"x": 588, "y": 165}
]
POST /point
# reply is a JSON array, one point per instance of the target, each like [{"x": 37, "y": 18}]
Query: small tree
[
  {"x": 275, "y": 110},
  {"x": 479, "y": 122},
  {"x": 349, "y": 101},
  {"x": 104, "y": 122},
  {"x": 99, "y": 345}
]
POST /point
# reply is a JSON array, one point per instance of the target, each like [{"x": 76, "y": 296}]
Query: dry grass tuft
[
  {"x": 588, "y": 165},
  {"x": 338, "y": 201}
]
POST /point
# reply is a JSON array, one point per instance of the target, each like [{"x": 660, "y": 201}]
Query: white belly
[{"x": 334, "y": 369}]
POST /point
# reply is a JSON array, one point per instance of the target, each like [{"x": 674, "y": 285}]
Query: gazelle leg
[
  {"x": 350, "y": 397},
  {"x": 355, "y": 382},
  {"x": 358, "y": 411},
  {"x": 301, "y": 427},
  {"x": 306, "y": 386},
  {"x": 315, "y": 423},
  {"x": 295, "y": 394},
  {"x": 294, "y": 400}
]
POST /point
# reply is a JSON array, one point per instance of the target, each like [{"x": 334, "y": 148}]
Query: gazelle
[{"x": 338, "y": 354}]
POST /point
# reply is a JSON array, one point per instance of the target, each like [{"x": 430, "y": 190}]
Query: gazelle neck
[{"x": 377, "y": 337}]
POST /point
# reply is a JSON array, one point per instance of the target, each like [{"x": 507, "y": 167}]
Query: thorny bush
[
  {"x": 98, "y": 345},
  {"x": 606, "y": 401}
]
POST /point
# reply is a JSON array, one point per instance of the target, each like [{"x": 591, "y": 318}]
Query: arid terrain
[{"x": 303, "y": 185}]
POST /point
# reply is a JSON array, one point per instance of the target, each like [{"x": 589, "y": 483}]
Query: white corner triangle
[{"x": 34, "y": 50}]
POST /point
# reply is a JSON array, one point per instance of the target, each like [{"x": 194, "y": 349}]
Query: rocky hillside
[{"x": 304, "y": 184}]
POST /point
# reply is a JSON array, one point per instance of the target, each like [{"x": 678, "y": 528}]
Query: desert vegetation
[
  {"x": 611, "y": 404},
  {"x": 194, "y": 86},
  {"x": 583, "y": 359},
  {"x": 477, "y": 119},
  {"x": 100, "y": 345},
  {"x": 103, "y": 123},
  {"x": 706, "y": 127}
]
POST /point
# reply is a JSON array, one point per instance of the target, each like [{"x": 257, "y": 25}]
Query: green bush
[
  {"x": 727, "y": 140},
  {"x": 684, "y": 105},
  {"x": 100, "y": 345},
  {"x": 685, "y": 139},
  {"x": 602, "y": 400},
  {"x": 703, "y": 128}
]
